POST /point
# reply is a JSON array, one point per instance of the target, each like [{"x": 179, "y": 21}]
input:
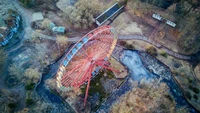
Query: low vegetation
[
  {"x": 163, "y": 53},
  {"x": 152, "y": 51},
  {"x": 30, "y": 86}
]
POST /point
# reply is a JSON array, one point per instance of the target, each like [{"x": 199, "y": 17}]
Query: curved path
[{"x": 146, "y": 39}]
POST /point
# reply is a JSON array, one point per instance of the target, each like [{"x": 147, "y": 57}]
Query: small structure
[
  {"x": 59, "y": 29},
  {"x": 171, "y": 23},
  {"x": 168, "y": 22},
  {"x": 157, "y": 16},
  {"x": 107, "y": 14},
  {"x": 37, "y": 16}
]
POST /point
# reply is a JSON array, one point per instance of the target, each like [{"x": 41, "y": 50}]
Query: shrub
[
  {"x": 196, "y": 90},
  {"x": 27, "y": 3},
  {"x": 163, "y": 53},
  {"x": 190, "y": 87},
  {"x": 12, "y": 105},
  {"x": 195, "y": 96},
  {"x": 129, "y": 46},
  {"x": 190, "y": 80},
  {"x": 152, "y": 51},
  {"x": 29, "y": 101},
  {"x": 182, "y": 74},
  {"x": 30, "y": 86},
  {"x": 188, "y": 95}
]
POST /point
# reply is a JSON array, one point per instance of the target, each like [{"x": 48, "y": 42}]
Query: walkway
[{"x": 148, "y": 40}]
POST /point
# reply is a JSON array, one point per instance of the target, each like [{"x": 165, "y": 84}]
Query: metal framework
[{"x": 86, "y": 58}]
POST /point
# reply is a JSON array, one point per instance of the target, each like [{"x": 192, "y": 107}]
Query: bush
[
  {"x": 190, "y": 80},
  {"x": 188, "y": 95},
  {"x": 130, "y": 46},
  {"x": 12, "y": 105},
  {"x": 190, "y": 87},
  {"x": 29, "y": 101},
  {"x": 195, "y": 96},
  {"x": 163, "y": 53},
  {"x": 196, "y": 90},
  {"x": 152, "y": 51},
  {"x": 30, "y": 86}
]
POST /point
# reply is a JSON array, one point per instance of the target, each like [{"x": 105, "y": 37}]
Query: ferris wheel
[{"x": 86, "y": 58}]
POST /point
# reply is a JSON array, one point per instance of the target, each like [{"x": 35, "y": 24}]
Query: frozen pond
[{"x": 132, "y": 60}]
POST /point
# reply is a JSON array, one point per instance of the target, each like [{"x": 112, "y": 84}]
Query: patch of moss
[{"x": 129, "y": 46}]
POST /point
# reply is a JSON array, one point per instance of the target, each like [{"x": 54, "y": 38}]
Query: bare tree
[
  {"x": 61, "y": 41},
  {"x": 82, "y": 14}
]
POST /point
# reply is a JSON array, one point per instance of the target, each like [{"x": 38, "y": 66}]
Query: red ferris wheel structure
[{"x": 86, "y": 58}]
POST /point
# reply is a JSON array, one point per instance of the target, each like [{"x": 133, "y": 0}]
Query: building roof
[
  {"x": 37, "y": 16},
  {"x": 59, "y": 29},
  {"x": 157, "y": 16}
]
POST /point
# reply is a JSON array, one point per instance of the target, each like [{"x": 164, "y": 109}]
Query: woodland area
[{"x": 187, "y": 14}]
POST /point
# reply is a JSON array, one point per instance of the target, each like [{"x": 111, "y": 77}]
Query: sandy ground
[{"x": 124, "y": 25}]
